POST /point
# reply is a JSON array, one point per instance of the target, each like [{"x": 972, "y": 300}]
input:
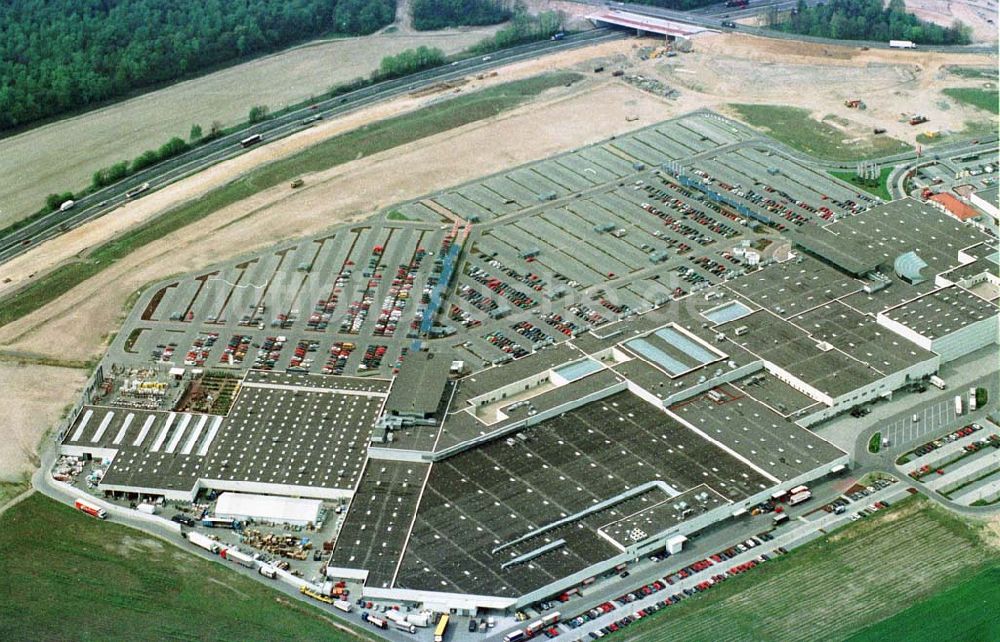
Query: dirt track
[
  {"x": 34, "y": 397},
  {"x": 63, "y": 155}
]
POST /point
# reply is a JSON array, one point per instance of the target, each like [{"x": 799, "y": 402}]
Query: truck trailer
[
  {"x": 203, "y": 541},
  {"x": 238, "y": 556},
  {"x": 902, "y": 44},
  {"x": 958, "y": 404},
  {"x": 91, "y": 509},
  {"x": 938, "y": 382},
  {"x": 972, "y": 399}
]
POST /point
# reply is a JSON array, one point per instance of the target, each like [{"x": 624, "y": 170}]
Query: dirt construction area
[
  {"x": 62, "y": 156},
  {"x": 31, "y": 409},
  {"x": 76, "y": 325}
]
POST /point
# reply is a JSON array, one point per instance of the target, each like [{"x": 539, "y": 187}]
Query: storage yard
[{"x": 495, "y": 394}]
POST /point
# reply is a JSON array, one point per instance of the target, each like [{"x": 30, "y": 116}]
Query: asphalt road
[{"x": 201, "y": 157}]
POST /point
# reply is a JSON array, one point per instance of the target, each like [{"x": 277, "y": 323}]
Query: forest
[
  {"x": 869, "y": 20},
  {"x": 58, "y": 56},
  {"x": 438, "y": 14}
]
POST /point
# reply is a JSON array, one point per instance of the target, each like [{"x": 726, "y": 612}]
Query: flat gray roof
[
  {"x": 828, "y": 370},
  {"x": 859, "y": 243},
  {"x": 420, "y": 384},
  {"x": 942, "y": 312}
]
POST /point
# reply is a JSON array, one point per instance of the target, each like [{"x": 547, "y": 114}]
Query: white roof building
[{"x": 268, "y": 508}]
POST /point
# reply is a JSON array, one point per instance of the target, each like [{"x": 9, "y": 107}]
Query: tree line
[
  {"x": 523, "y": 28},
  {"x": 60, "y": 55},
  {"x": 438, "y": 14},
  {"x": 869, "y": 20},
  {"x": 408, "y": 62}
]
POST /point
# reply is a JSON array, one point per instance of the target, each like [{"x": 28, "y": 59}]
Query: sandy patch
[
  {"x": 63, "y": 155},
  {"x": 34, "y": 400}
]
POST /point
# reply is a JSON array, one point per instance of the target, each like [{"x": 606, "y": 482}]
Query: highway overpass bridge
[{"x": 645, "y": 25}]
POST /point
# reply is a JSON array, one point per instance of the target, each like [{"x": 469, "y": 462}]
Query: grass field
[
  {"x": 987, "y": 73},
  {"x": 971, "y": 128},
  {"x": 985, "y": 99},
  {"x": 70, "y": 577},
  {"x": 796, "y": 128},
  {"x": 833, "y": 587},
  {"x": 966, "y": 611},
  {"x": 340, "y": 149},
  {"x": 881, "y": 190},
  {"x": 61, "y": 156}
]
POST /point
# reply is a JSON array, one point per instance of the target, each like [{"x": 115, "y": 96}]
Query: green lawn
[
  {"x": 875, "y": 443},
  {"x": 349, "y": 146},
  {"x": 881, "y": 189},
  {"x": 966, "y": 611},
  {"x": 835, "y": 586},
  {"x": 796, "y": 128},
  {"x": 985, "y": 99},
  {"x": 70, "y": 577}
]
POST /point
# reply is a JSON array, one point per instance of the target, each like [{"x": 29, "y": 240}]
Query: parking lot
[{"x": 931, "y": 420}]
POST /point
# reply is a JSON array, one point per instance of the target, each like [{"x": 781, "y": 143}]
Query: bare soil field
[
  {"x": 893, "y": 84},
  {"x": 34, "y": 399},
  {"x": 63, "y": 155}
]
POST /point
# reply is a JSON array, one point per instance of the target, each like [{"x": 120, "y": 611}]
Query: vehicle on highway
[{"x": 251, "y": 140}]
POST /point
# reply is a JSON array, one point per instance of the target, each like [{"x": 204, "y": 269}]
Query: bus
[
  {"x": 441, "y": 629},
  {"x": 251, "y": 140}
]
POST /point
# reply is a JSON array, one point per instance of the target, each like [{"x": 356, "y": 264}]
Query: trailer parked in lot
[
  {"x": 958, "y": 404},
  {"x": 972, "y": 399},
  {"x": 203, "y": 541}
]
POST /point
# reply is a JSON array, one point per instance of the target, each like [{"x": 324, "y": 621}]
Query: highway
[
  {"x": 108, "y": 199},
  {"x": 711, "y": 17}
]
